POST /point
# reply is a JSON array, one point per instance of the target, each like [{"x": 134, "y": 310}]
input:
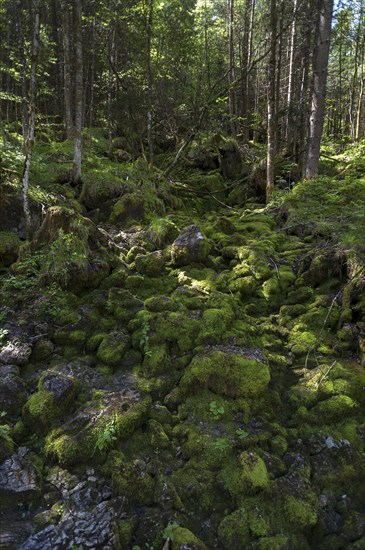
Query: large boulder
[
  {"x": 13, "y": 390},
  {"x": 190, "y": 247},
  {"x": 20, "y": 479}
]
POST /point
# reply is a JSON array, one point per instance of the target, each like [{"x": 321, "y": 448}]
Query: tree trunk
[
  {"x": 149, "y": 83},
  {"x": 271, "y": 115},
  {"x": 30, "y": 129},
  {"x": 76, "y": 172},
  {"x": 246, "y": 60},
  {"x": 231, "y": 109},
  {"x": 289, "y": 118},
  {"x": 67, "y": 70},
  {"x": 317, "y": 103}
]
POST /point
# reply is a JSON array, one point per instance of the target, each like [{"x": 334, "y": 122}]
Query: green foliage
[
  {"x": 106, "y": 436},
  {"x": 216, "y": 411},
  {"x": 145, "y": 339},
  {"x": 222, "y": 444},
  {"x": 242, "y": 434},
  {"x": 168, "y": 532}
]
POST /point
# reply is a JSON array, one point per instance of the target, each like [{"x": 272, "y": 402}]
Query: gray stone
[
  {"x": 15, "y": 354},
  {"x": 19, "y": 479},
  {"x": 190, "y": 247},
  {"x": 13, "y": 391}
]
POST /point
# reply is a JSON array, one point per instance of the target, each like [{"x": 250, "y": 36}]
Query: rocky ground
[{"x": 195, "y": 382}]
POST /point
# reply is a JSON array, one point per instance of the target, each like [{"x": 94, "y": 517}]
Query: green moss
[
  {"x": 274, "y": 543},
  {"x": 177, "y": 328},
  {"x": 229, "y": 374},
  {"x": 334, "y": 409},
  {"x": 247, "y": 477},
  {"x": 233, "y": 531},
  {"x": 44, "y": 409},
  {"x": 9, "y": 248},
  {"x": 157, "y": 360},
  {"x": 300, "y": 513},
  {"x": 129, "y": 207},
  {"x": 94, "y": 342},
  {"x": 131, "y": 481},
  {"x": 157, "y": 436},
  {"x": 74, "y": 338},
  {"x": 113, "y": 348},
  {"x": 215, "y": 323},
  {"x": 75, "y": 442},
  {"x": 152, "y": 265},
  {"x": 246, "y": 286},
  {"x": 183, "y": 538},
  {"x": 279, "y": 445}
]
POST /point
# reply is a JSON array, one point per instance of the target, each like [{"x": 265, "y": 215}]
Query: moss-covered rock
[
  {"x": 152, "y": 265},
  {"x": 9, "y": 248},
  {"x": 97, "y": 427},
  {"x": 233, "y": 531},
  {"x": 226, "y": 373},
  {"x": 247, "y": 477},
  {"x": 129, "y": 207},
  {"x": 131, "y": 481},
  {"x": 334, "y": 409},
  {"x": 190, "y": 247},
  {"x": 183, "y": 538},
  {"x": 113, "y": 348},
  {"x": 52, "y": 401}
]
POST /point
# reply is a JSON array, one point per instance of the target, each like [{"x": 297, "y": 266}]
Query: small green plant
[
  {"x": 241, "y": 433},
  {"x": 3, "y": 335},
  {"x": 216, "y": 410},
  {"x": 222, "y": 444},
  {"x": 168, "y": 532},
  {"x": 3, "y": 313},
  {"x": 107, "y": 436},
  {"x": 144, "y": 341}
]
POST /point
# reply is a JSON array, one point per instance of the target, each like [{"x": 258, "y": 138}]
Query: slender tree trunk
[
  {"x": 271, "y": 115},
  {"x": 289, "y": 102},
  {"x": 231, "y": 107},
  {"x": 23, "y": 70},
  {"x": 317, "y": 104},
  {"x": 110, "y": 92},
  {"x": 29, "y": 137},
  {"x": 67, "y": 83},
  {"x": 149, "y": 83},
  {"x": 246, "y": 60},
  {"x": 277, "y": 139},
  {"x": 76, "y": 172}
]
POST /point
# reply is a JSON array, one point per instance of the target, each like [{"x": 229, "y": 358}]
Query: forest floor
[{"x": 182, "y": 366}]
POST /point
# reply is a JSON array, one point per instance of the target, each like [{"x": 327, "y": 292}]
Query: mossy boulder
[
  {"x": 122, "y": 304},
  {"x": 246, "y": 478},
  {"x": 9, "y": 248},
  {"x": 215, "y": 322},
  {"x": 13, "y": 390},
  {"x": 100, "y": 188},
  {"x": 190, "y": 247},
  {"x": 334, "y": 409},
  {"x": 86, "y": 435},
  {"x": 132, "y": 481},
  {"x": 232, "y": 374},
  {"x": 129, "y": 207},
  {"x": 113, "y": 348},
  {"x": 183, "y": 539},
  {"x": 234, "y": 531},
  {"x": 45, "y": 408},
  {"x": 152, "y": 265}
]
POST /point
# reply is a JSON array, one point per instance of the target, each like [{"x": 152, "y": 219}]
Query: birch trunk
[
  {"x": 76, "y": 172},
  {"x": 30, "y": 127},
  {"x": 271, "y": 115}
]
